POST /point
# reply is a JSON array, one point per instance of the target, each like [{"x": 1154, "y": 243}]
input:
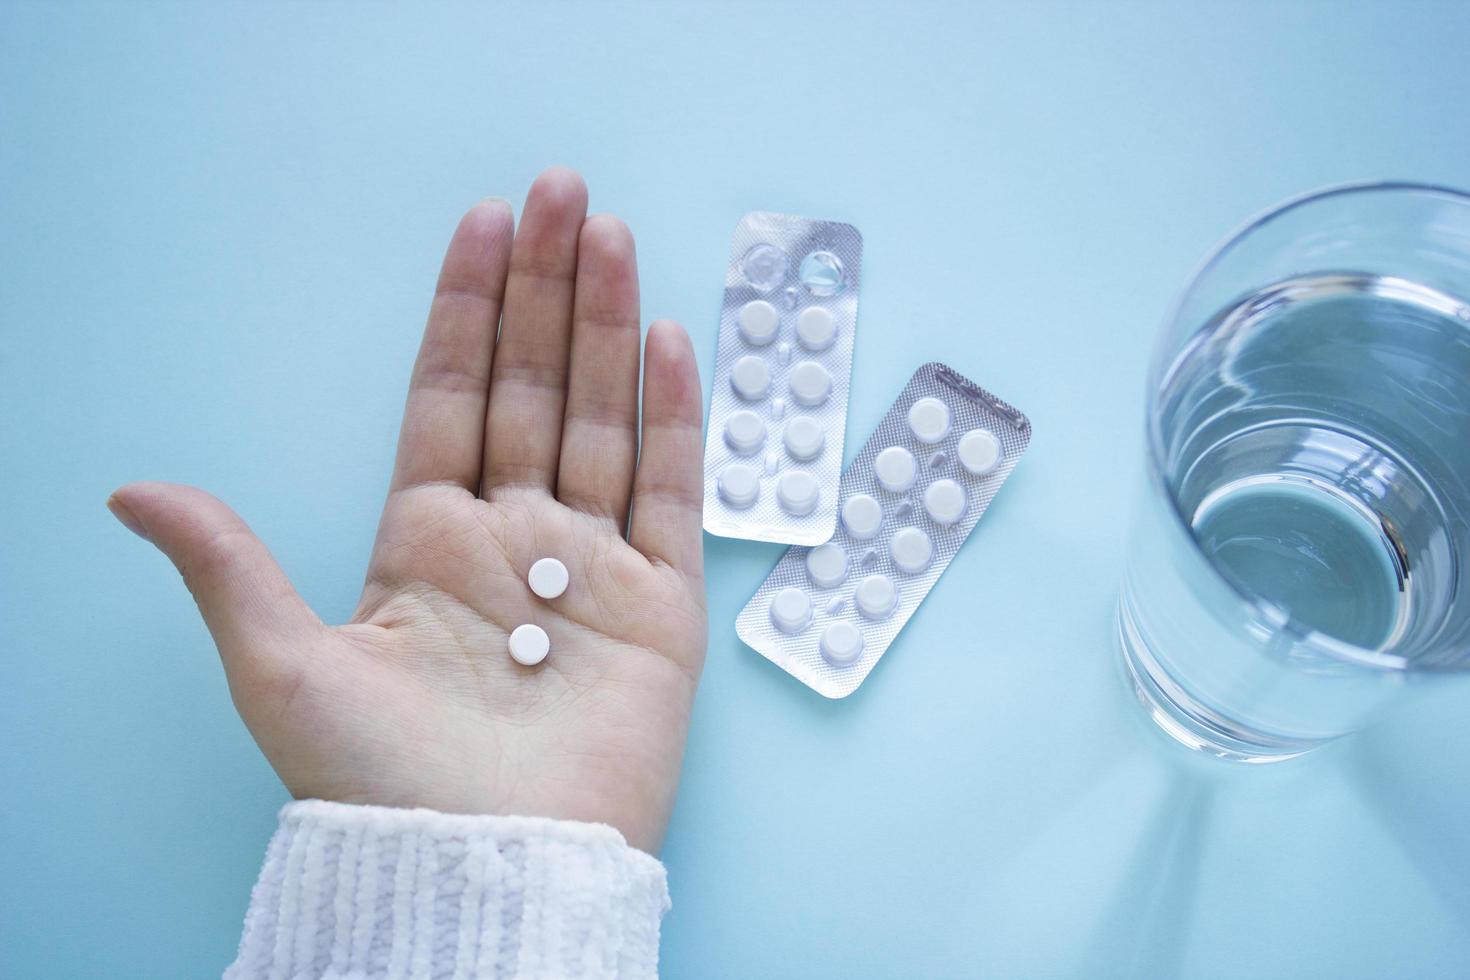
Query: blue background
[{"x": 218, "y": 231}]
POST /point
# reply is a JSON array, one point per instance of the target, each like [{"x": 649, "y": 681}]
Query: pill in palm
[
  {"x": 529, "y": 644},
  {"x": 548, "y": 578}
]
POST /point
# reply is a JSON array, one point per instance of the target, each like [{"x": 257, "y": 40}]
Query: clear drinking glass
[{"x": 1299, "y": 553}]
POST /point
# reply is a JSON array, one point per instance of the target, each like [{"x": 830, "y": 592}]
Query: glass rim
[{"x": 1314, "y": 639}]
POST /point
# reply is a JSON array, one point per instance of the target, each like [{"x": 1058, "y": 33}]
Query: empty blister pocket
[
  {"x": 778, "y": 411},
  {"x": 826, "y": 614}
]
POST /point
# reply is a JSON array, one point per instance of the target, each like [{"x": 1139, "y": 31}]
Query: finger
[
  {"x": 444, "y": 421},
  {"x": 667, "y": 502},
  {"x": 255, "y": 616},
  {"x": 529, "y": 380},
  {"x": 599, "y": 437}
]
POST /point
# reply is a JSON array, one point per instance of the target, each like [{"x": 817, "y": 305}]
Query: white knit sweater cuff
[{"x": 366, "y": 891}]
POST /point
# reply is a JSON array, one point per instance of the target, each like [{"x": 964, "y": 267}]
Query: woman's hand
[{"x": 511, "y": 450}]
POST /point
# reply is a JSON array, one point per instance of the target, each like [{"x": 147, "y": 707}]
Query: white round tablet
[
  {"x": 826, "y": 565},
  {"x": 797, "y": 492},
  {"x": 979, "y": 451},
  {"x": 842, "y": 644},
  {"x": 911, "y": 550},
  {"x": 758, "y": 321},
  {"x": 791, "y": 610},
  {"x": 875, "y": 596},
  {"x": 862, "y": 516},
  {"x": 929, "y": 420},
  {"x": 895, "y": 468},
  {"x": 750, "y": 378},
  {"x": 745, "y": 432},
  {"x": 816, "y": 328},
  {"x": 739, "y": 485},
  {"x": 944, "y": 501},
  {"x": 804, "y": 437},
  {"x": 810, "y": 383},
  {"x": 548, "y": 578},
  {"x": 529, "y": 644}
]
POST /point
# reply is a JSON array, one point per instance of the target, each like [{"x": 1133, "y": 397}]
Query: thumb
[{"x": 255, "y": 616}]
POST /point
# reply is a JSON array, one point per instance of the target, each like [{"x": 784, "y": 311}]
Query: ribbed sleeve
[{"x": 360, "y": 891}]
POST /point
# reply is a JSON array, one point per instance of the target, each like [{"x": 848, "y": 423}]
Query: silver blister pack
[
  {"x": 825, "y": 615},
  {"x": 778, "y": 412}
]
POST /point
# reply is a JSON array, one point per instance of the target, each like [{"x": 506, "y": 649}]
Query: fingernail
[{"x": 127, "y": 518}]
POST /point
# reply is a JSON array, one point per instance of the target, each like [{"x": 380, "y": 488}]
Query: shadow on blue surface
[
  {"x": 1146, "y": 925},
  {"x": 1418, "y": 806}
]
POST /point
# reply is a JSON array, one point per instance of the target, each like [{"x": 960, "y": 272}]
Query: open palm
[{"x": 512, "y": 449}]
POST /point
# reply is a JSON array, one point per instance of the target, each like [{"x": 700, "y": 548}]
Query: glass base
[{"x": 1184, "y": 719}]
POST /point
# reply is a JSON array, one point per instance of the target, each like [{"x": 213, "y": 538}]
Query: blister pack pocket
[
  {"x": 826, "y": 614},
  {"x": 778, "y": 412}
]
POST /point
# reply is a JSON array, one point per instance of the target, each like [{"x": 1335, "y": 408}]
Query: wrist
[{"x": 351, "y": 888}]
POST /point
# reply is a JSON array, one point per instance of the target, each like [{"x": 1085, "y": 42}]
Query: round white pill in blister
[
  {"x": 911, "y": 550},
  {"x": 750, "y": 378},
  {"x": 791, "y": 610},
  {"x": 944, "y": 501},
  {"x": 810, "y": 383},
  {"x": 797, "y": 491},
  {"x": 758, "y": 322},
  {"x": 548, "y": 578},
  {"x": 979, "y": 451},
  {"x": 804, "y": 437},
  {"x": 745, "y": 432},
  {"x": 842, "y": 644},
  {"x": 895, "y": 468},
  {"x": 826, "y": 565},
  {"x": 876, "y": 596},
  {"x": 862, "y": 516},
  {"x": 816, "y": 328},
  {"x": 529, "y": 644},
  {"x": 739, "y": 485},
  {"x": 929, "y": 420}
]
